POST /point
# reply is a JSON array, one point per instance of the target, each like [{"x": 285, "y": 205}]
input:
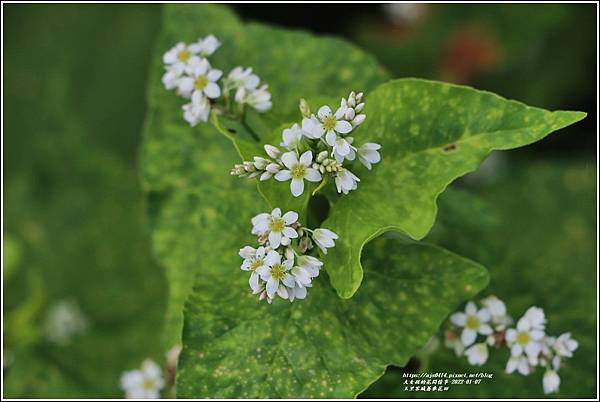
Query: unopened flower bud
[
  {"x": 249, "y": 166},
  {"x": 266, "y": 176},
  {"x": 272, "y": 151},
  {"x": 349, "y": 115},
  {"x": 273, "y": 168},
  {"x": 359, "y": 108},
  {"x": 359, "y": 97},
  {"x": 304, "y": 108},
  {"x": 358, "y": 120},
  {"x": 260, "y": 163},
  {"x": 321, "y": 156}
]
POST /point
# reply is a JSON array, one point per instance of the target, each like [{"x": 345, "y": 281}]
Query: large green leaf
[
  {"x": 295, "y": 64},
  {"x": 323, "y": 346},
  {"x": 431, "y": 133}
]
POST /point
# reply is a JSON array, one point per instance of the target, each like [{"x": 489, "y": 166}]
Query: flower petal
[
  {"x": 343, "y": 127},
  {"x": 306, "y": 158},
  {"x": 297, "y": 187},
  {"x": 212, "y": 90},
  {"x": 290, "y": 232},
  {"x": 468, "y": 336},
  {"x": 290, "y": 217},
  {"x": 312, "y": 175},
  {"x": 323, "y": 112},
  {"x": 289, "y": 159},
  {"x": 274, "y": 239},
  {"x": 458, "y": 319},
  {"x": 283, "y": 175}
]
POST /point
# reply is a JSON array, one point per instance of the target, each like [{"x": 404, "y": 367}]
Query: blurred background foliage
[{"x": 74, "y": 224}]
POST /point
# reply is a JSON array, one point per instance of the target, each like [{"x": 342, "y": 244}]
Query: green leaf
[
  {"x": 322, "y": 346},
  {"x": 176, "y": 157},
  {"x": 431, "y": 133}
]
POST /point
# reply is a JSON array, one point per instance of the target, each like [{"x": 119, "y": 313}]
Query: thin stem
[{"x": 248, "y": 128}]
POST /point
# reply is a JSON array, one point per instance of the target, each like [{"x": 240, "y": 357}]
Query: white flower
[
  {"x": 473, "y": 322},
  {"x": 324, "y": 238},
  {"x": 497, "y": 309},
  {"x": 332, "y": 123},
  {"x": 297, "y": 293},
  {"x": 171, "y": 77},
  {"x": 536, "y": 318},
  {"x": 368, "y": 154},
  {"x": 276, "y": 226},
  {"x": 243, "y": 78},
  {"x": 292, "y": 137},
  {"x": 197, "y": 110},
  {"x": 257, "y": 263},
  {"x": 564, "y": 345},
  {"x": 551, "y": 381},
  {"x": 527, "y": 337},
  {"x": 341, "y": 147},
  {"x": 260, "y": 99},
  {"x": 201, "y": 79},
  {"x": 278, "y": 277},
  {"x": 520, "y": 363},
  {"x": 312, "y": 128},
  {"x": 346, "y": 181},
  {"x": 477, "y": 354},
  {"x": 64, "y": 321},
  {"x": 178, "y": 56},
  {"x": 311, "y": 264},
  {"x": 206, "y": 46},
  {"x": 298, "y": 171},
  {"x": 145, "y": 383}
]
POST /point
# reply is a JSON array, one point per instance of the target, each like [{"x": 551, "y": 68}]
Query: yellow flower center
[
  {"x": 148, "y": 384},
  {"x": 298, "y": 171},
  {"x": 523, "y": 338},
  {"x": 184, "y": 55},
  {"x": 276, "y": 225},
  {"x": 472, "y": 322},
  {"x": 201, "y": 82},
  {"x": 278, "y": 271},
  {"x": 256, "y": 263},
  {"x": 329, "y": 122}
]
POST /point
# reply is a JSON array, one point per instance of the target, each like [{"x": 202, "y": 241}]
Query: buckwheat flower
[
  {"x": 206, "y": 46},
  {"x": 341, "y": 147},
  {"x": 297, "y": 293},
  {"x": 324, "y": 238},
  {"x": 518, "y": 363},
  {"x": 311, "y": 264},
  {"x": 297, "y": 171},
  {"x": 145, "y": 383},
  {"x": 551, "y": 381},
  {"x": 197, "y": 110},
  {"x": 301, "y": 276},
  {"x": 474, "y": 321},
  {"x": 477, "y": 354},
  {"x": 241, "y": 77},
  {"x": 312, "y": 127},
  {"x": 368, "y": 154},
  {"x": 178, "y": 56},
  {"x": 64, "y": 321},
  {"x": 333, "y": 123},
  {"x": 536, "y": 318},
  {"x": 497, "y": 309},
  {"x": 202, "y": 79},
  {"x": 171, "y": 77},
  {"x": 257, "y": 263},
  {"x": 526, "y": 338},
  {"x": 277, "y": 226},
  {"x": 564, "y": 345},
  {"x": 292, "y": 137},
  {"x": 346, "y": 181},
  {"x": 278, "y": 277},
  {"x": 260, "y": 99}
]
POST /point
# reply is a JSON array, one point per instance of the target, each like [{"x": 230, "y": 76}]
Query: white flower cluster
[
  {"x": 144, "y": 383},
  {"x": 280, "y": 265},
  {"x": 64, "y": 321},
  {"x": 326, "y": 135},
  {"x": 528, "y": 343},
  {"x": 191, "y": 75}
]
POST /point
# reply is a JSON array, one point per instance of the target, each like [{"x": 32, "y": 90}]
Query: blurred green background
[{"x": 74, "y": 224}]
